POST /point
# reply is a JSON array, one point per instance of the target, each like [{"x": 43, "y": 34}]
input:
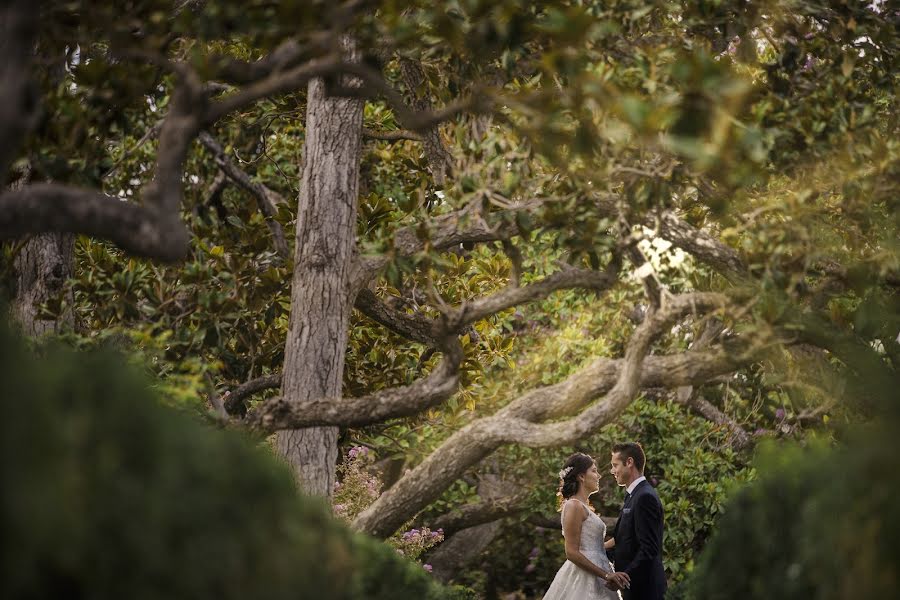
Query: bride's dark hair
[{"x": 575, "y": 465}]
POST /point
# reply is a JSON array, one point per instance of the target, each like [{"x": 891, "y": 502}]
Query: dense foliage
[
  {"x": 107, "y": 494},
  {"x": 819, "y": 523}
]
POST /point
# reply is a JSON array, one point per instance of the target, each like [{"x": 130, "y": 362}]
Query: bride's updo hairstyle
[{"x": 575, "y": 465}]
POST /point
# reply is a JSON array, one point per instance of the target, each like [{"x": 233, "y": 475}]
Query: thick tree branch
[
  {"x": 234, "y": 400},
  {"x": 44, "y": 208},
  {"x": 266, "y": 199},
  {"x": 440, "y": 384},
  {"x": 525, "y": 432},
  {"x": 475, "y": 310},
  {"x": 478, "y": 439},
  {"x": 413, "y": 327}
]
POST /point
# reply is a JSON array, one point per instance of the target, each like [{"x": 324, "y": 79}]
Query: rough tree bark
[
  {"x": 321, "y": 298},
  {"x": 42, "y": 265}
]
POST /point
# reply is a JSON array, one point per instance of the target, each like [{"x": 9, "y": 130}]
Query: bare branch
[
  {"x": 534, "y": 435},
  {"x": 569, "y": 277},
  {"x": 440, "y": 384},
  {"x": 234, "y": 400},
  {"x": 266, "y": 199},
  {"x": 375, "y": 84}
]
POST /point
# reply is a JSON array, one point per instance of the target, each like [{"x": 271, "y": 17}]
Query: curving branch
[
  {"x": 47, "y": 207},
  {"x": 472, "y": 311},
  {"x": 234, "y": 400},
  {"x": 276, "y": 83},
  {"x": 440, "y": 384},
  {"x": 537, "y": 435},
  {"x": 413, "y": 327},
  {"x": 520, "y": 420}
]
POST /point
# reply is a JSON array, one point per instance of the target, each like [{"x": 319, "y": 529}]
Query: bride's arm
[
  {"x": 610, "y": 543},
  {"x": 572, "y": 521}
]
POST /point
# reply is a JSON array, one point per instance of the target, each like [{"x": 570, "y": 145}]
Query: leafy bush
[
  {"x": 109, "y": 494},
  {"x": 820, "y": 523}
]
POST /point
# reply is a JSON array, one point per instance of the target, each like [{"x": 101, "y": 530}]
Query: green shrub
[
  {"x": 109, "y": 494},
  {"x": 820, "y": 523}
]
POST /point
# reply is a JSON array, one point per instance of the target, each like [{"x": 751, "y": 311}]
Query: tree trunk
[
  {"x": 42, "y": 266},
  {"x": 320, "y": 297}
]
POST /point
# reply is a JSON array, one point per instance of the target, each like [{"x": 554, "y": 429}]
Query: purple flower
[
  {"x": 533, "y": 553},
  {"x": 339, "y": 508},
  {"x": 654, "y": 481},
  {"x": 530, "y": 567},
  {"x": 779, "y": 414},
  {"x": 427, "y": 567}
]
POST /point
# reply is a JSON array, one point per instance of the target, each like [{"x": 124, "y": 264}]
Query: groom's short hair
[{"x": 631, "y": 450}]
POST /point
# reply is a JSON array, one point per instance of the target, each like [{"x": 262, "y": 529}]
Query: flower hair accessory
[{"x": 564, "y": 472}]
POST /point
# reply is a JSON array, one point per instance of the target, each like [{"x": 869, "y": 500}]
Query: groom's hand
[{"x": 620, "y": 579}]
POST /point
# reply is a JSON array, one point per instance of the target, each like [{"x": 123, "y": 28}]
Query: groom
[{"x": 639, "y": 530}]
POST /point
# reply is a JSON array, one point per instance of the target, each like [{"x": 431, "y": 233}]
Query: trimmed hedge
[{"x": 108, "y": 494}]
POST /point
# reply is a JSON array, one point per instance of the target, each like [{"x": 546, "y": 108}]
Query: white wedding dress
[{"x": 574, "y": 583}]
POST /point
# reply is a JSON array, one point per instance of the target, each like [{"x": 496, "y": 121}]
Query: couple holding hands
[{"x": 635, "y": 546}]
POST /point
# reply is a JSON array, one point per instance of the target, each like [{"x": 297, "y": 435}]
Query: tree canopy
[{"x": 471, "y": 235}]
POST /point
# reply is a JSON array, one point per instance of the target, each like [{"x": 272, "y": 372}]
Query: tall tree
[{"x": 321, "y": 291}]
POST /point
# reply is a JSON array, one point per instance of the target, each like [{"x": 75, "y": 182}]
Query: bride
[{"x": 586, "y": 573}]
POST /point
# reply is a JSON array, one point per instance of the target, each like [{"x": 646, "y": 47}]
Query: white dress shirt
[{"x": 635, "y": 483}]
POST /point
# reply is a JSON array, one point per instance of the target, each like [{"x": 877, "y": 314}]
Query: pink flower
[{"x": 427, "y": 567}]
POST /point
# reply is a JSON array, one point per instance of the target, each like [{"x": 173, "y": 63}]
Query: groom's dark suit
[{"x": 638, "y": 550}]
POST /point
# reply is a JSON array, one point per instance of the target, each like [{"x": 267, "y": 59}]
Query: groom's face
[{"x": 619, "y": 470}]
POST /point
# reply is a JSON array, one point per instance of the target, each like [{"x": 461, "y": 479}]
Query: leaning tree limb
[
  {"x": 278, "y": 414},
  {"x": 520, "y": 421},
  {"x": 441, "y": 383}
]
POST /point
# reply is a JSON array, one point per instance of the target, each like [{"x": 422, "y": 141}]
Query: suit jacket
[{"x": 638, "y": 550}]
